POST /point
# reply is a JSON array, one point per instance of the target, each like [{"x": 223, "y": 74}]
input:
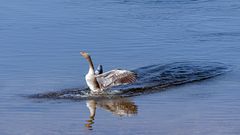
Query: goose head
[{"x": 85, "y": 55}]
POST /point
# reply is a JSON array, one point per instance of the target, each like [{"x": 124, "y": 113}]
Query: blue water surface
[{"x": 39, "y": 52}]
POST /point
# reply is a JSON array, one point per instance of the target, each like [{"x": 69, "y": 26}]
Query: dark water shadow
[{"x": 151, "y": 79}]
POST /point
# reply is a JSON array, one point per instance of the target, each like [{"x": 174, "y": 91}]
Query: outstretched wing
[{"x": 115, "y": 77}]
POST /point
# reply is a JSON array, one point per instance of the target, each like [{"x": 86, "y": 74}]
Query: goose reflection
[{"x": 118, "y": 107}]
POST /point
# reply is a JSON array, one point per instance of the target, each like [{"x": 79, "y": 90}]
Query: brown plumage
[
  {"x": 106, "y": 80},
  {"x": 115, "y": 77}
]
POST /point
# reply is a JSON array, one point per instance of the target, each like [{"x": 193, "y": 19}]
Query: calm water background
[{"x": 39, "y": 52}]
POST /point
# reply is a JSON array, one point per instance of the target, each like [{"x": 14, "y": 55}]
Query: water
[
  {"x": 40, "y": 43},
  {"x": 149, "y": 79}
]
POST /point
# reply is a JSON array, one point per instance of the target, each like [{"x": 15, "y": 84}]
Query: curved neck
[{"x": 91, "y": 67}]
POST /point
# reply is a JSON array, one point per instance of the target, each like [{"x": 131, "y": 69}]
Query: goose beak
[{"x": 84, "y": 54}]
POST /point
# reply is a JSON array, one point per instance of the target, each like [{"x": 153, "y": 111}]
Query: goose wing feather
[{"x": 115, "y": 77}]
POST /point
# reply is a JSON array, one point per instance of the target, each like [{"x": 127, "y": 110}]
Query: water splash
[{"x": 151, "y": 79}]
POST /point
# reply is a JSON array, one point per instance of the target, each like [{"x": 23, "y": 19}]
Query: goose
[{"x": 99, "y": 82}]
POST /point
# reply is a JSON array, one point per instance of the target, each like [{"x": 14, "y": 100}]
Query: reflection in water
[
  {"x": 118, "y": 106},
  {"x": 92, "y": 105}
]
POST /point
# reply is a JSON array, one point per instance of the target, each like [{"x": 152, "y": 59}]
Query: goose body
[
  {"x": 92, "y": 82},
  {"x": 98, "y": 81}
]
